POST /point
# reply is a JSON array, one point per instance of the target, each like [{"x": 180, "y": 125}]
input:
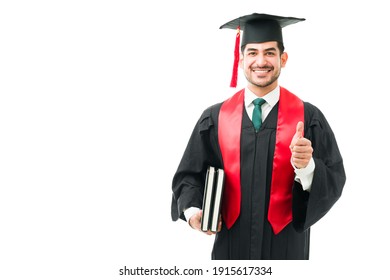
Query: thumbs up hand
[{"x": 301, "y": 149}]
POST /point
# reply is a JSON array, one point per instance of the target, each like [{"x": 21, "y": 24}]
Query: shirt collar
[{"x": 271, "y": 98}]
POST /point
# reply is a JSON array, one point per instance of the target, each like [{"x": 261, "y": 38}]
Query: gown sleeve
[
  {"x": 329, "y": 174},
  {"x": 202, "y": 150}
]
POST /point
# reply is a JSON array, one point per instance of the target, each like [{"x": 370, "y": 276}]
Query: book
[{"x": 212, "y": 199}]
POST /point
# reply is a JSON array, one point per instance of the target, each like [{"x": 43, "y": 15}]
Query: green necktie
[{"x": 256, "y": 117}]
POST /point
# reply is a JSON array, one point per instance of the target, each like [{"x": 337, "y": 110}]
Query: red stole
[{"x": 290, "y": 112}]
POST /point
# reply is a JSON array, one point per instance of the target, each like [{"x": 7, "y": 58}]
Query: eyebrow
[{"x": 265, "y": 50}]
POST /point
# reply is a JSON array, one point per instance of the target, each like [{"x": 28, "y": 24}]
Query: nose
[{"x": 261, "y": 60}]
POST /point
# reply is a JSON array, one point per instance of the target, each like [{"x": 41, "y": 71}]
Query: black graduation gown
[{"x": 251, "y": 237}]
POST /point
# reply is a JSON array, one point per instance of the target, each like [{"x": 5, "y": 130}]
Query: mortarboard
[{"x": 257, "y": 28}]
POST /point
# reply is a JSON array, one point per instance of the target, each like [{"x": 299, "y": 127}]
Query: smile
[{"x": 262, "y": 70}]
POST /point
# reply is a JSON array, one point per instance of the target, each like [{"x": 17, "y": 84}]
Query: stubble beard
[{"x": 265, "y": 83}]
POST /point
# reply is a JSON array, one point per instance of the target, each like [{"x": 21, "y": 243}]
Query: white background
[{"x": 97, "y": 103}]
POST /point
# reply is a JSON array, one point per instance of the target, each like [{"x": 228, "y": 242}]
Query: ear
[
  {"x": 241, "y": 62},
  {"x": 283, "y": 59}
]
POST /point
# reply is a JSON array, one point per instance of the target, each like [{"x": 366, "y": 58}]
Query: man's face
[{"x": 262, "y": 63}]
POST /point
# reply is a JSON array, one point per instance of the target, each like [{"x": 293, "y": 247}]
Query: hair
[{"x": 280, "y": 47}]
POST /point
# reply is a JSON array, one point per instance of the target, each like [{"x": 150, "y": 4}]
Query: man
[{"x": 283, "y": 168}]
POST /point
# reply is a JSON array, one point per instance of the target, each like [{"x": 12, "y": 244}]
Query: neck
[{"x": 262, "y": 91}]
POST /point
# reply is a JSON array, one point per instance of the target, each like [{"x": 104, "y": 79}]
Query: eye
[
  {"x": 251, "y": 53},
  {"x": 270, "y": 53}
]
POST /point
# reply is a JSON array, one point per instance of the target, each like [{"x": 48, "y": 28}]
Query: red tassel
[{"x": 233, "y": 82}]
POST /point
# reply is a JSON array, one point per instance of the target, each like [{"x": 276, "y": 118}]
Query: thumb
[
  {"x": 298, "y": 134},
  {"x": 299, "y": 131}
]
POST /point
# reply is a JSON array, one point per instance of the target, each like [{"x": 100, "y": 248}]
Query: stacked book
[{"x": 212, "y": 199}]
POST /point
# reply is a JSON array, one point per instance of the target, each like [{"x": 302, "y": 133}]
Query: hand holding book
[{"x": 195, "y": 223}]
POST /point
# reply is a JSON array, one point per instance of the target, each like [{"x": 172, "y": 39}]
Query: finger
[
  {"x": 298, "y": 134},
  {"x": 195, "y": 220},
  {"x": 297, "y": 156},
  {"x": 219, "y": 226},
  {"x": 302, "y": 148},
  {"x": 303, "y": 142},
  {"x": 299, "y": 130},
  {"x": 300, "y": 163},
  {"x": 302, "y": 151}
]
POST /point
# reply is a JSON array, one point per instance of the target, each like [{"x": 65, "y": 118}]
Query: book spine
[
  {"x": 217, "y": 199},
  {"x": 207, "y": 199}
]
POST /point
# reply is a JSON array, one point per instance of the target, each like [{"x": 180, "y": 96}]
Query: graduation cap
[{"x": 257, "y": 28}]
